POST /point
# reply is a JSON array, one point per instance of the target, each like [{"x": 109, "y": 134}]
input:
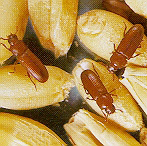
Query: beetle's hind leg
[
  {"x": 32, "y": 80},
  {"x": 14, "y": 67},
  {"x": 125, "y": 28}
]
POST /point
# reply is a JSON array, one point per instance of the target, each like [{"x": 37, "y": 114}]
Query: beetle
[
  {"x": 126, "y": 48},
  {"x": 121, "y": 8},
  {"x": 94, "y": 86},
  {"x": 118, "y": 7},
  {"x": 27, "y": 59}
]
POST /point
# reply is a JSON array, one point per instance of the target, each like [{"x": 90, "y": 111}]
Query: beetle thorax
[{"x": 117, "y": 61}]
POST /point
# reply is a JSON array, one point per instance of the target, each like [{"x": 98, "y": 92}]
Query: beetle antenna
[
  {"x": 3, "y": 38},
  {"x": 16, "y": 30},
  {"x": 105, "y": 116},
  {"x": 95, "y": 70}
]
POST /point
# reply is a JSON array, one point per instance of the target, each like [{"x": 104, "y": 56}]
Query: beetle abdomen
[
  {"x": 131, "y": 41},
  {"x": 34, "y": 66}
]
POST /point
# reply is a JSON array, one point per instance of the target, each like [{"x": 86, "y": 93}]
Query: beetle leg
[
  {"x": 136, "y": 55},
  {"x": 115, "y": 50},
  {"x": 89, "y": 98},
  {"x": 81, "y": 84},
  {"x": 105, "y": 116},
  {"x": 32, "y": 80},
  {"x": 113, "y": 94},
  {"x": 125, "y": 29},
  {"x": 139, "y": 46},
  {"x": 113, "y": 77},
  {"x": 86, "y": 91},
  {"x": 5, "y": 46},
  {"x": 112, "y": 91},
  {"x": 14, "y": 67}
]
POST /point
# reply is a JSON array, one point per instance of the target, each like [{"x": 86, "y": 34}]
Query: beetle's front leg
[{"x": 5, "y": 46}]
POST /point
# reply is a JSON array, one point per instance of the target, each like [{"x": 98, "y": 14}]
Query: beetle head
[
  {"x": 12, "y": 39},
  {"x": 110, "y": 109},
  {"x": 105, "y": 102}
]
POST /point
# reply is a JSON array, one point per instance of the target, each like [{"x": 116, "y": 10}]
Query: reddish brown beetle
[
  {"x": 94, "y": 86},
  {"x": 121, "y": 8},
  {"x": 126, "y": 48},
  {"x": 118, "y": 7},
  {"x": 27, "y": 59}
]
